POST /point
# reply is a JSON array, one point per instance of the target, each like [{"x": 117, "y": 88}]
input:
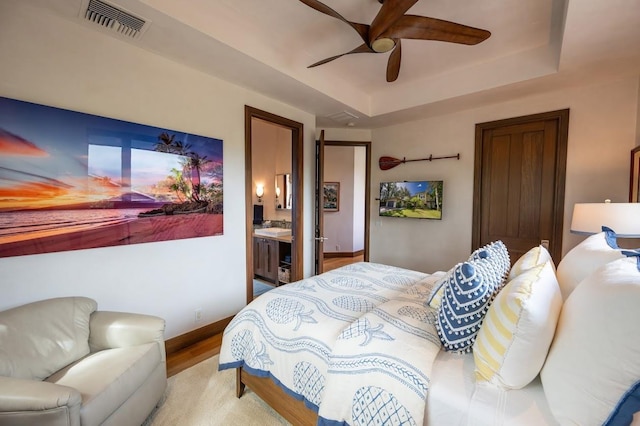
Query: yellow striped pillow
[
  {"x": 534, "y": 257},
  {"x": 517, "y": 331}
]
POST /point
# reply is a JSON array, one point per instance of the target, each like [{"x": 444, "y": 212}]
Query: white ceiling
[{"x": 266, "y": 45}]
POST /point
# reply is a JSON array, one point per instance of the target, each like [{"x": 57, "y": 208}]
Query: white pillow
[
  {"x": 536, "y": 256},
  {"x": 595, "y": 355},
  {"x": 585, "y": 258},
  {"x": 516, "y": 333}
]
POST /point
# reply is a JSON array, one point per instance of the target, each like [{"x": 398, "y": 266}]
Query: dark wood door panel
[{"x": 519, "y": 182}]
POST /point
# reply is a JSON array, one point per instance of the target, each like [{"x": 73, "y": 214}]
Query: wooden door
[{"x": 520, "y": 166}]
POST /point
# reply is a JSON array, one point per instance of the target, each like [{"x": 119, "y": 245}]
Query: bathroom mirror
[{"x": 283, "y": 192}]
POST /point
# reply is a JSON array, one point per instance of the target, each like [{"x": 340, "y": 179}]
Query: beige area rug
[{"x": 202, "y": 395}]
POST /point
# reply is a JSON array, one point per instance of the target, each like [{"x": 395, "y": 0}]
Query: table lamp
[{"x": 622, "y": 218}]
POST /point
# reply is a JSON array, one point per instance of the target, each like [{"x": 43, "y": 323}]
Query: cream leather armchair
[{"x": 64, "y": 363}]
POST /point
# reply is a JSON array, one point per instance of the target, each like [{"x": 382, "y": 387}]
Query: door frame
[
  {"x": 367, "y": 195},
  {"x": 297, "y": 133},
  {"x": 318, "y": 217},
  {"x": 562, "y": 119}
]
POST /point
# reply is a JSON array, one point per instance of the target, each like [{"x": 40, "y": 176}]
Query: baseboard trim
[
  {"x": 176, "y": 344},
  {"x": 343, "y": 254}
]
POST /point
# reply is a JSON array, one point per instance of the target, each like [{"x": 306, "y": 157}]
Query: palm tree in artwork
[
  {"x": 165, "y": 143},
  {"x": 177, "y": 184},
  {"x": 194, "y": 165},
  {"x": 168, "y": 144}
]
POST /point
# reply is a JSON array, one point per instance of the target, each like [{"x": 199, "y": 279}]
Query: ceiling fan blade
[
  {"x": 393, "y": 65},
  {"x": 425, "y": 28},
  {"x": 363, "y": 48},
  {"x": 390, "y": 11},
  {"x": 361, "y": 29}
]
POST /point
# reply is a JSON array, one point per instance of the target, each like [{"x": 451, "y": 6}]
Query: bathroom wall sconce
[
  {"x": 277, "y": 193},
  {"x": 259, "y": 192}
]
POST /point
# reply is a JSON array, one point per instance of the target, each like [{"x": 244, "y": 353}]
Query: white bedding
[
  {"x": 456, "y": 399},
  {"x": 356, "y": 344},
  {"x": 347, "y": 339}
]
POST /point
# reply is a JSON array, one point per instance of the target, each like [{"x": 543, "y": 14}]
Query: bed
[{"x": 367, "y": 344}]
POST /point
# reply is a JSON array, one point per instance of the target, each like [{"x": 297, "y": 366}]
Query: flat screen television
[{"x": 412, "y": 199}]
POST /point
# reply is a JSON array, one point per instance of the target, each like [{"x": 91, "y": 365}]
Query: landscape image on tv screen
[{"x": 415, "y": 199}]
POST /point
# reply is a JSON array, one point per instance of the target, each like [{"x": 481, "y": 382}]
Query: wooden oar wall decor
[{"x": 387, "y": 163}]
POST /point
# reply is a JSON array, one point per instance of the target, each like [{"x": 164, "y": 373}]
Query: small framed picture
[
  {"x": 331, "y": 196},
  {"x": 634, "y": 180}
]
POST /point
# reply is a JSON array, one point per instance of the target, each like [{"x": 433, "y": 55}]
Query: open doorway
[
  {"x": 271, "y": 206},
  {"x": 346, "y": 169}
]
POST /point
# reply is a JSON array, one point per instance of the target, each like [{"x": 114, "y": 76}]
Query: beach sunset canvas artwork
[{"x": 71, "y": 181}]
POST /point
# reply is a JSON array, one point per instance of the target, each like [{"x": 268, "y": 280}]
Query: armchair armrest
[
  {"x": 121, "y": 329},
  {"x": 34, "y": 402}
]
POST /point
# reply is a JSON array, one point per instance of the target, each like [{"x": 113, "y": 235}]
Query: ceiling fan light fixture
[
  {"x": 383, "y": 45},
  {"x": 391, "y": 24}
]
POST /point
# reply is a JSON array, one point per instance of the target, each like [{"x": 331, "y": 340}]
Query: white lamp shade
[{"x": 622, "y": 218}]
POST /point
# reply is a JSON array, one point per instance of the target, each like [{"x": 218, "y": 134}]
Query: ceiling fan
[{"x": 391, "y": 25}]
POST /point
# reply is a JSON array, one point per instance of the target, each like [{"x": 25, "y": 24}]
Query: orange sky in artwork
[
  {"x": 15, "y": 145},
  {"x": 43, "y": 194},
  {"x": 31, "y": 194}
]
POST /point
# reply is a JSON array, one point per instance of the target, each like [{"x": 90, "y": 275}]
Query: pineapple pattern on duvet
[
  {"x": 375, "y": 406},
  {"x": 243, "y": 346},
  {"x": 362, "y": 327},
  {"x": 378, "y": 318},
  {"x": 308, "y": 381},
  {"x": 284, "y": 310}
]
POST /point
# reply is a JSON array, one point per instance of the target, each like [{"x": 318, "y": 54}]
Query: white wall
[
  {"x": 602, "y": 131},
  {"x": 638, "y": 116},
  {"x": 53, "y": 62},
  {"x": 351, "y": 134},
  {"x": 345, "y": 228},
  {"x": 359, "y": 187},
  {"x": 338, "y": 226},
  {"x": 270, "y": 155}
]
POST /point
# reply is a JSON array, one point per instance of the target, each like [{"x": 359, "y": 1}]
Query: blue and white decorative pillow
[
  {"x": 467, "y": 295},
  {"x": 497, "y": 262},
  {"x": 496, "y": 253},
  {"x": 437, "y": 292}
]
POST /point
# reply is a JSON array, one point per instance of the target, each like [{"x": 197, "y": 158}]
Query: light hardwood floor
[
  {"x": 207, "y": 348},
  {"x": 336, "y": 262}
]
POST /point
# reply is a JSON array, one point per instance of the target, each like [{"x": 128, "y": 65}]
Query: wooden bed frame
[{"x": 293, "y": 410}]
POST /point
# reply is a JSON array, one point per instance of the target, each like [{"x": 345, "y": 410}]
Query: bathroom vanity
[{"x": 272, "y": 255}]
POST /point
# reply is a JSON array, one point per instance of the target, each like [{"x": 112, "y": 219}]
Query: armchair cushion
[
  {"x": 40, "y": 338},
  {"x": 120, "y": 330},
  {"x": 107, "y": 378},
  {"x": 37, "y": 397}
]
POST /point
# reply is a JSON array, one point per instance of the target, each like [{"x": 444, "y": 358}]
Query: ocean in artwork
[{"x": 70, "y": 180}]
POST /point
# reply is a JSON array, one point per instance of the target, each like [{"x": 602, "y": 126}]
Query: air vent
[
  {"x": 113, "y": 18},
  {"x": 342, "y": 117}
]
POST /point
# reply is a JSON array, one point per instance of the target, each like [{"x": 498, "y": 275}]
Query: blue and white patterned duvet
[{"x": 356, "y": 343}]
